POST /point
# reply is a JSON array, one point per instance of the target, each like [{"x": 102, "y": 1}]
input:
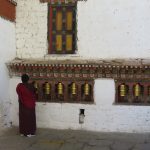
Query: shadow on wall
[
  {"x": 5, "y": 103},
  {"x": 7, "y": 53},
  {"x": 5, "y": 108}
]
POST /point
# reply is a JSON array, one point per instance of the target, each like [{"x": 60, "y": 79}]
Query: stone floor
[{"x": 48, "y": 139}]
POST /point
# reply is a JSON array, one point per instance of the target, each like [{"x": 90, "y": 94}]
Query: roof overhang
[{"x": 115, "y": 69}]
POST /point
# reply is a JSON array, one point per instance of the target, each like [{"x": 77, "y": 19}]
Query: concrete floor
[{"x": 48, "y": 139}]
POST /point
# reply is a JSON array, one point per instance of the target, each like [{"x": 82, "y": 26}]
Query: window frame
[{"x": 73, "y": 32}]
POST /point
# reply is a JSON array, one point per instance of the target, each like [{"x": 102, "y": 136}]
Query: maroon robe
[{"x": 27, "y": 118}]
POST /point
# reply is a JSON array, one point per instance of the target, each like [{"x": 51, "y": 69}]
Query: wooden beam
[{"x": 8, "y": 9}]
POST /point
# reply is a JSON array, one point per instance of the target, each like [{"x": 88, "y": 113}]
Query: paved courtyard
[{"x": 48, "y": 139}]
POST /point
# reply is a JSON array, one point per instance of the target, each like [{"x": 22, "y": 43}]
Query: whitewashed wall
[
  {"x": 106, "y": 29},
  {"x": 103, "y": 115},
  {"x": 114, "y": 28},
  {"x": 31, "y": 29},
  {"x": 7, "y": 53}
]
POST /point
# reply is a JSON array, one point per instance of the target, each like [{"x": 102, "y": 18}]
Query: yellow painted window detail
[
  {"x": 69, "y": 20},
  {"x": 58, "y": 42},
  {"x": 59, "y": 21},
  {"x": 68, "y": 42}
]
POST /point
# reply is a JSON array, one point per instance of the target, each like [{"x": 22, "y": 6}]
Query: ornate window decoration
[{"x": 62, "y": 27}]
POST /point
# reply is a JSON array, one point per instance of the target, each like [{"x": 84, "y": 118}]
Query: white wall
[
  {"x": 7, "y": 53},
  {"x": 103, "y": 115},
  {"x": 106, "y": 29},
  {"x": 114, "y": 28},
  {"x": 31, "y": 29}
]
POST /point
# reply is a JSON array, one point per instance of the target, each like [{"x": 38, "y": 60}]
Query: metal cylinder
[
  {"x": 86, "y": 89},
  {"x": 137, "y": 90},
  {"x": 122, "y": 90},
  {"x": 35, "y": 84},
  {"x": 73, "y": 89},
  {"x": 47, "y": 88},
  {"x": 60, "y": 88}
]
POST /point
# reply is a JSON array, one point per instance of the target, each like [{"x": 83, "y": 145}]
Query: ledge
[
  {"x": 59, "y": 1},
  {"x": 81, "y": 68},
  {"x": 13, "y": 2}
]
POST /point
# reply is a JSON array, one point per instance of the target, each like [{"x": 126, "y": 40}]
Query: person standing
[{"x": 27, "y": 98}]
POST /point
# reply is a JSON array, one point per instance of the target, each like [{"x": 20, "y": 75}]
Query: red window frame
[{"x": 51, "y": 25}]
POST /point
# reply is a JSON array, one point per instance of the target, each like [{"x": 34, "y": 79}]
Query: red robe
[{"x": 27, "y": 99}]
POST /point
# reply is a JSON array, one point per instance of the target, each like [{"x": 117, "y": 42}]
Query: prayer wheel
[
  {"x": 86, "y": 89},
  {"x": 137, "y": 90},
  {"x": 122, "y": 90},
  {"x": 35, "y": 84},
  {"x": 60, "y": 88},
  {"x": 47, "y": 88},
  {"x": 73, "y": 89}
]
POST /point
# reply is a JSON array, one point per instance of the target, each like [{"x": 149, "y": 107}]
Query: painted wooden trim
[
  {"x": 82, "y": 69},
  {"x": 8, "y": 10}
]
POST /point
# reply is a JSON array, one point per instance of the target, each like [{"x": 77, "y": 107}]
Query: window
[{"x": 62, "y": 28}]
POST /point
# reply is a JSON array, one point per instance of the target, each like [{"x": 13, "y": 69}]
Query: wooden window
[{"x": 62, "y": 28}]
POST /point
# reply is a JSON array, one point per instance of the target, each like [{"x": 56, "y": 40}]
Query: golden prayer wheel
[
  {"x": 73, "y": 89},
  {"x": 87, "y": 89},
  {"x": 35, "y": 84},
  {"x": 60, "y": 88},
  {"x": 122, "y": 90},
  {"x": 47, "y": 88},
  {"x": 137, "y": 90}
]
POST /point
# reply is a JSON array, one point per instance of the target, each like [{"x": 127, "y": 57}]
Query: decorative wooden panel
[
  {"x": 81, "y": 69},
  {"x": 69, "y": 42},
  {"x": 59, "y": 21},
  {"x": 62, "y": 29},
  {"x": 69, "y": 20},
  {"x": 58, "y": 42}
]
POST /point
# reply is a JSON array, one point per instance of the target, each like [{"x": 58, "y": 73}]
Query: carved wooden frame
[
  {"x": 67, "y": 97},
  {"x": 130, "y": 99}
]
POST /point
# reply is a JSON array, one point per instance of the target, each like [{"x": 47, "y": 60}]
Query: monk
[{"x": 27, "y": 98}]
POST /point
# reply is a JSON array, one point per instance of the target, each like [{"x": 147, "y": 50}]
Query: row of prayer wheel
[
  {"x": 60, "y": 87},
  {"x": 137, "y": 90}
]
